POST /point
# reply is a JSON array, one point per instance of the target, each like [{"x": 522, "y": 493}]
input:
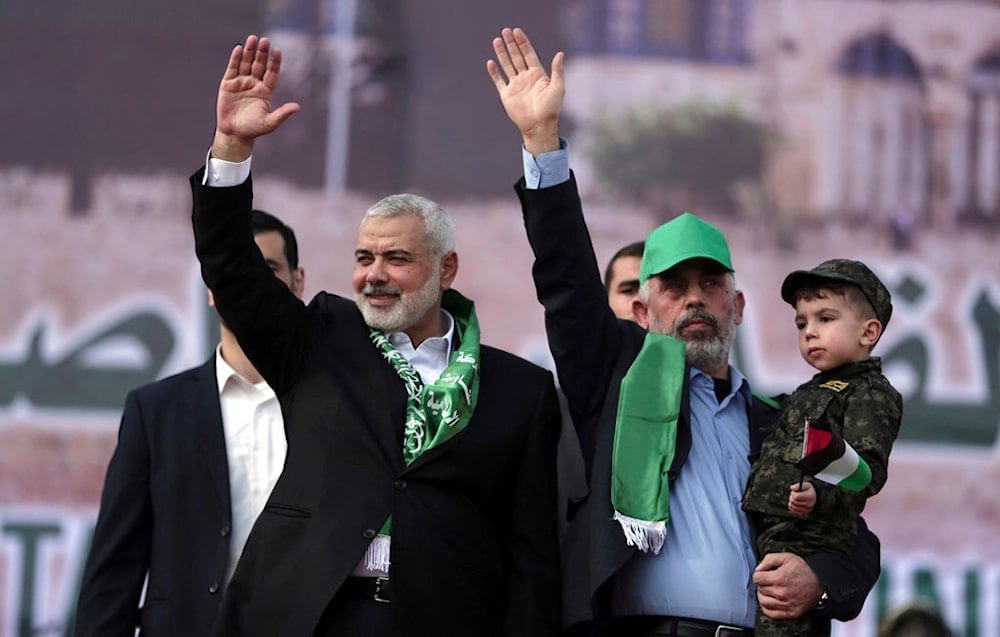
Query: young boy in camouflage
[{"x": 841, "y": 310}]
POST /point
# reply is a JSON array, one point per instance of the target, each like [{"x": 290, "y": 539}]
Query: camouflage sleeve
[{"x": 871, "y": 418}]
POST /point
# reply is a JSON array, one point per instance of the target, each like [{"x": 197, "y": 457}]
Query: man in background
[
  {"x": 197, "y": 456},
  {"x": 621, "y": 279}
]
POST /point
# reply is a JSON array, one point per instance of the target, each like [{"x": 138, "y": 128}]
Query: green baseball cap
[
  {"x": 844, "y": 271},
  {"x": 683, "y": 237}
]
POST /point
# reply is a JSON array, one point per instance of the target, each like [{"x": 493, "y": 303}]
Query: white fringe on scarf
[
  {"x": 377, "y": 554},
  {"x": 645, "y": 535}
]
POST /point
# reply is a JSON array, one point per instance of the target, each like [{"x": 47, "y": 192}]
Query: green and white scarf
[
  {"x": 649, "y": 406},
  {"x": 437, "y": 412}
]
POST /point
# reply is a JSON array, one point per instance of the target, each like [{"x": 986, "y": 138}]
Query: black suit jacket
[
  {"x": 165, "y": 509},
  {"x": 474, "y": 549},
  {"x": 592, "y": 351}
]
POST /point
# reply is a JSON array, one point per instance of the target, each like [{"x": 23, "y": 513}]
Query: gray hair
[{"x": 437, "y": 222}]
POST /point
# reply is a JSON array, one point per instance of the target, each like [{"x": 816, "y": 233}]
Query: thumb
[
  {"x": 278, "y": 116},
  {"x": 770, "y": 562},
  {"x": 558, "y": 70}
]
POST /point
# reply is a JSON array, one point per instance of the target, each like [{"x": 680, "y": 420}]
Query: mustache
[
  {"x": 696, "y": 315},
  {"x": 380, "y": 288}
]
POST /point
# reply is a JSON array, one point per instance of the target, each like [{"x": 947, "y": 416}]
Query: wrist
[
  {"x": 230, "y": 148},
  {"x": 540, "y": 141}
]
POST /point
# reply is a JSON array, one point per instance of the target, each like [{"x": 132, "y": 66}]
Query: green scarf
[
  {"x": 435, "y": 413},
  {"x": 645, "y": 437}
]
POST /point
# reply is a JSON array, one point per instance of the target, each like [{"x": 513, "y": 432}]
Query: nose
[
  {"x": 693, "y": 296},
  {"x": 375, "y": 272},
  {"x": 809, "y": 331}
]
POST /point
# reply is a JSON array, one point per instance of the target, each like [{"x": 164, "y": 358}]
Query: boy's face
[{"x": 831, "y": 333}]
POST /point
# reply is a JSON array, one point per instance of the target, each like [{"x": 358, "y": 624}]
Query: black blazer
[
  {"x": 165, "y": 510},
  {"x": 474, "y": 549},
  {"x": 592, "y": 351}
]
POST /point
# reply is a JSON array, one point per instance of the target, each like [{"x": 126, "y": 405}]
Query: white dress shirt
[{"x": 255, "y": 449}]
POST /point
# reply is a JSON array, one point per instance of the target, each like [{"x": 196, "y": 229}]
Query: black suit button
[
  {"x": 224, "y": 532},
  {"x": 399, "y": 484},
  {"x": 214, "y": 588},
  {"x": 370, "y": 533}
]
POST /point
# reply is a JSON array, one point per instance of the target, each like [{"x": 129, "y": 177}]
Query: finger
[
  {"x": 558, "y": 71},
  {"x": 527, "y": 51},
  {"x": 233, "y": 66},
  {"x": 249, "y": 52},
  {"x": 260, "y": 60},
  {"x": 276, "y": 118},
  {"x": 516, "y": 55},
  {"x": 503, "y": 57},
  {"x": 769, "y": 562},
  {"x": 272, "y": 70},
  {"x": 494, "y": 72}
]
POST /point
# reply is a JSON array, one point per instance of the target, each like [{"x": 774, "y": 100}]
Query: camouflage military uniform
[{"x": 854, "y": 400}]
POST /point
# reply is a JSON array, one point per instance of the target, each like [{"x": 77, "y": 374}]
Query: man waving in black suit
[{"x": 418, "y": 496}]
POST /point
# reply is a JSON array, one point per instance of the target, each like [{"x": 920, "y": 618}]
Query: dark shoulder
[
  {"x": 511, "y": 363},
  {"x": 176, "y": 382},
  {"x": 333, "y": 308},
  {"x": 326, "y": 302}
]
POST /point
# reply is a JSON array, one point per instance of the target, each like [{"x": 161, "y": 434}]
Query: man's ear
[
  {"x": 871, "y": 333},
  {"x": 298, "y": 281},
  {"x": 739, "y": 304},
  {"x": 449, "y": 269},
  {"x": 641, "y": 313}
]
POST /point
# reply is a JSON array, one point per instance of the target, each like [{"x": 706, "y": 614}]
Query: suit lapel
[
  {"x": 205, "y": 412},
  {"x": 384, "y": 398}
]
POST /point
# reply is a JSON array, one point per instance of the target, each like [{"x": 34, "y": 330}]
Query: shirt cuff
[
  {"x": 548, "y": 169},
  {"x": 220, "y": 173}
]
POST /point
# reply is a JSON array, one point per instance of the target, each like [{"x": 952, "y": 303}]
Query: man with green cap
[{"x": 660, "y": 545}]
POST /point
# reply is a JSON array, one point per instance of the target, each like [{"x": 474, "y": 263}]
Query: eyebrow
[{"x": 390, "y": 253}]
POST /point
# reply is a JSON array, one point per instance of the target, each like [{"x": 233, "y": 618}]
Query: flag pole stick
[{"x": 805, "y": 431}]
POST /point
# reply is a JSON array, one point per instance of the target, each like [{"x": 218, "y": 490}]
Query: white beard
[
  {"x": 403, "y": 314},
  {"x": 706, "y": 352}
]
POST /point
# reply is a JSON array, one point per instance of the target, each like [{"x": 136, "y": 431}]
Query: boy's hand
[{"x": 802, "y": 498}]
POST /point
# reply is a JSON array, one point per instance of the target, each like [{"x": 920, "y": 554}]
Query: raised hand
[
  {"x": 531, "y": 98},
  {"x": 243, "y": 109}
]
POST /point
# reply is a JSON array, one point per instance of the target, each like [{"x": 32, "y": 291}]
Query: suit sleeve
[
  {"x": 270, "y": 323},
  {"x": 584, "y": 336},
  {"x": 848, "y": 580},
  {"x": 120, "y": 551},
  {"x": 533, "y": 606}
]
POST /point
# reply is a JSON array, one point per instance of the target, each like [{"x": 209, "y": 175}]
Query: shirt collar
[
  {"x": 439, "y": 344},
  {"x": 740, "y": 384},
  {"x": 224, "y": 372}
]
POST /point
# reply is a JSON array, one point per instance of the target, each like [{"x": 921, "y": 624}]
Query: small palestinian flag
[{"x": 826, "y": 456}]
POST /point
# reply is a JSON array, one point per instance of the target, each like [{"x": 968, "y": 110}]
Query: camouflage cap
[
  {"x": 683, "y": 237},
  {"x": 846, "y": 271}
]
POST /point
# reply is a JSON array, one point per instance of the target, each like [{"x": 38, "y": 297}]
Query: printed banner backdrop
[{"x": 811, "y": 129}]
